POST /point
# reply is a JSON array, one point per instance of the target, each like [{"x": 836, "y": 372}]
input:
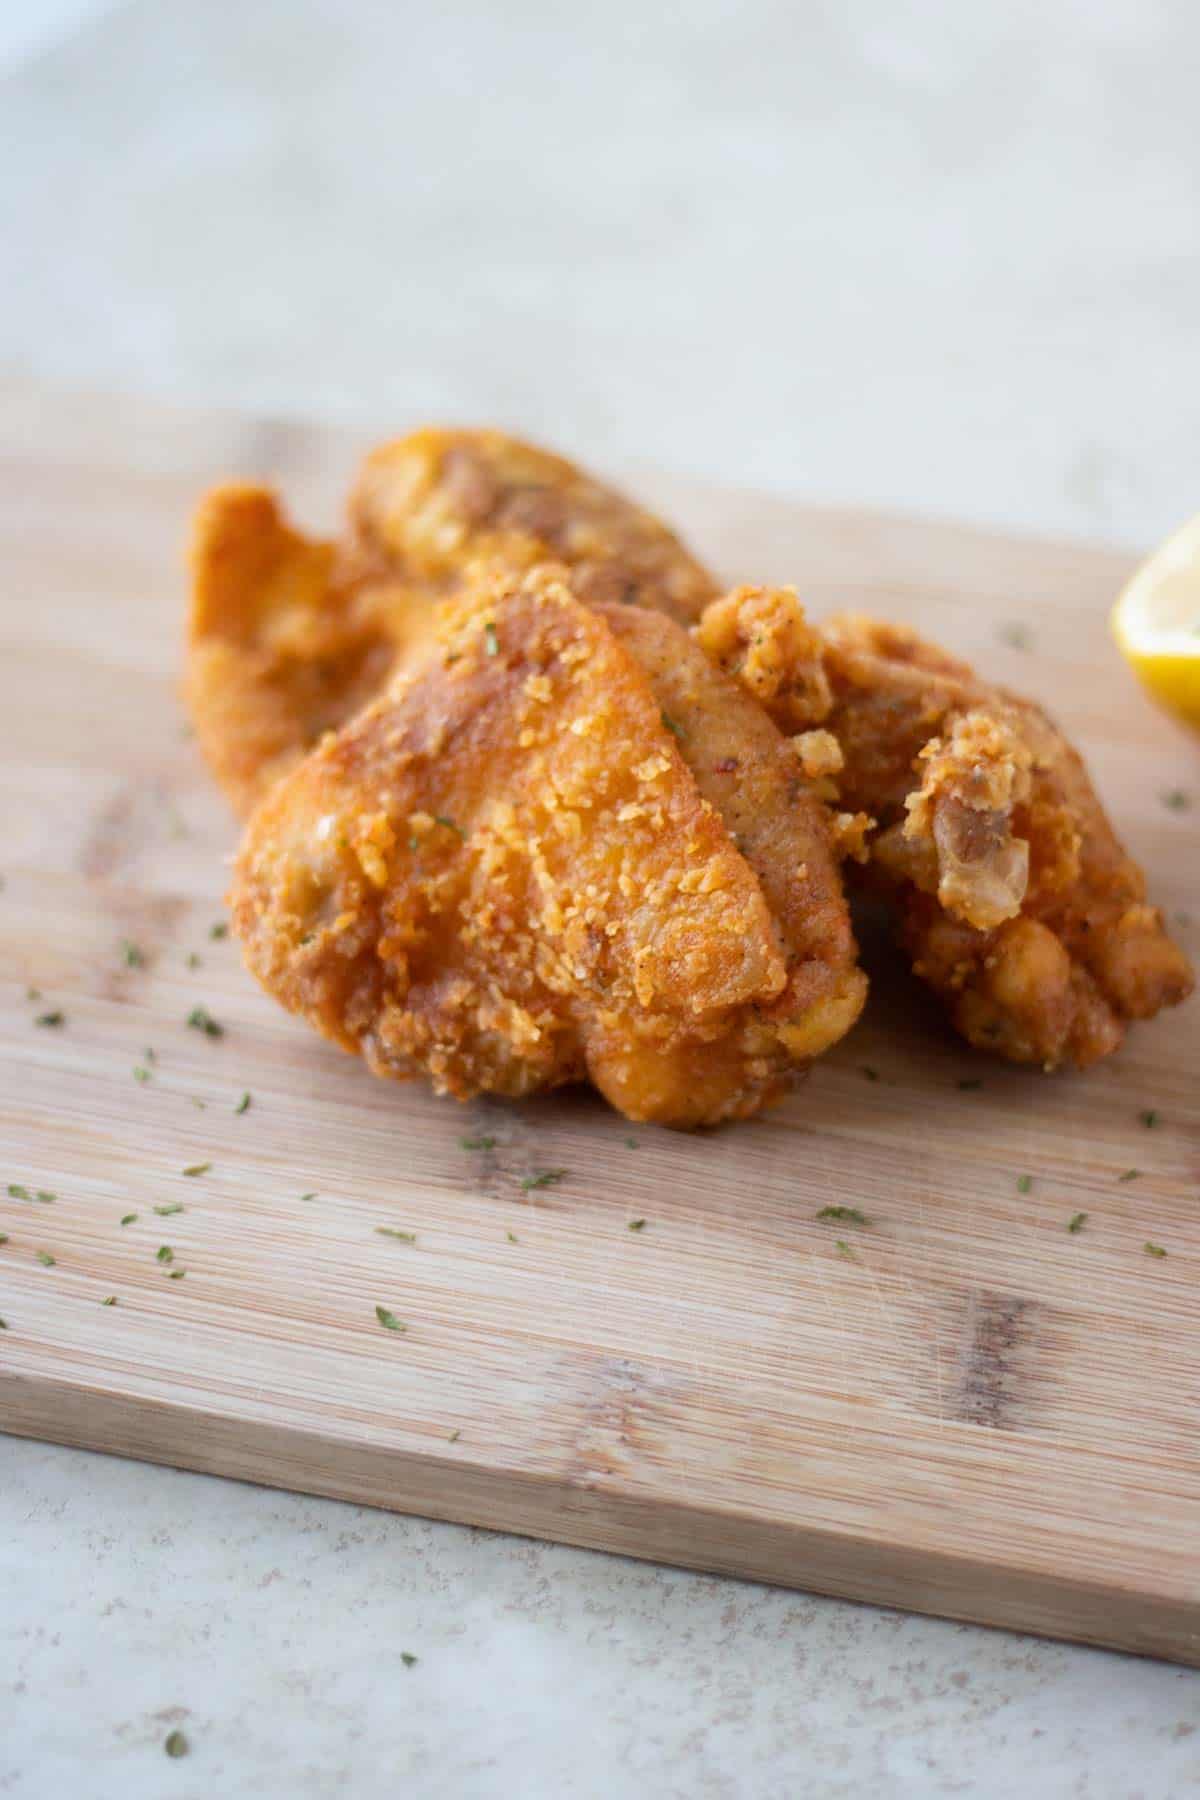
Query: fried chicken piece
[
  {"x": 509, "y": 872},
  {"x": 1014, "y": 899},
  {"x": 289, "y": 636}
]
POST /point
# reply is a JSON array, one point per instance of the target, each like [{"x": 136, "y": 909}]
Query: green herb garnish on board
[
  {"x": 408, "y": 1659},
  {"x": 3, "y": 1237},
  {"x": 176, "y": 1274},
  {"x": 200, "y": 1019},
  {"x": 403, "y": 1237},
  {"x": 631, "y": 1143},
  {"x": 129, "y": 1219},
  {"x": 637, "y": 1224},
  {"x": 1149, "y": 1118},
  {"x": 491, "y": 639},
  {"x": 1076, "y": 1222},
  {"x": 388, "y": 1320},
  {"x": 140, "y": 1073},
  {"x": 111, "y": 1301},
  {"x": 843, "y": 1249},
  {"x": 51, "y": 1019},
  {"x": 131, "y": 954},
  {"x": 1017, "y": 637},
  {"x": 3, "y": 1324},
  {"x": 243, "y": 1104},
  {"x": 175, "y": 1744},
  {"x": 543, "y": 1179},
  {"x": 477, "y": 1143},
  {"x": 1129, "y": 1175},
  {"x": 219, "y": 930},
  {"x": 46, "y": 1197},
  {"x": 45, "y": 1258},
  {"x": 196, "y": 1169},
  {"x": 1024, "y": 1184},
  {"x": 193, "y": 960},
  {"x": 512, "y": 1237},
  {"x": 1153, "y": 1249},
  {"x": 1176, "y": 800},
  {"x": 164, "y": 1254},
  {"x": 869, "y": 1074},
  {"x": 172, "y": 1206},
  {"x": 17, "y": 1192},
  {"x": 852, "y": 1214}
]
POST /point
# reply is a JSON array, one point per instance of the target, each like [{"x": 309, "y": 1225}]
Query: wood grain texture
[{"x": 976, "y": 1414}]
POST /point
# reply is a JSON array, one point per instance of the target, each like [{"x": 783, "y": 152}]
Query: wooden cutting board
[{"x": 973, "y": 1412}]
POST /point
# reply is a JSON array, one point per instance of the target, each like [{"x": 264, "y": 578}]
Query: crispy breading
[
  {"x": 427, "y": 505},
  {"x": 505, "y": 873},
  {"x": 1013, "y": 897},
  {"x": 744, "y": 767},
  {"x": 289, "y": 636}
]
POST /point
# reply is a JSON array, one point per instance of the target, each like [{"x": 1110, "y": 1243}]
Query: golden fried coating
[
  {"x": 285, "y": 641},
  {"x": 1014, "y": 898},
  {"x": 509, "y": 872},
  {"x": 290, "y": 636},
  {"x": 426, "y": 506}
]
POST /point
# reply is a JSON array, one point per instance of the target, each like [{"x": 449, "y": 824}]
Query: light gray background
[{"x": 936, "y": 255}]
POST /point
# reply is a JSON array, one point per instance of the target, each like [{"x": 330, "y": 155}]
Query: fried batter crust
[
  {"x": 504, "y": 874},
  {"x": 289, "y": 636},
  {"x": 1014, "y": 898}
]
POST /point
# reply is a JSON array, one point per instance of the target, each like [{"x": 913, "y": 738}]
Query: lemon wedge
[{"x": 1156, "y": 622}]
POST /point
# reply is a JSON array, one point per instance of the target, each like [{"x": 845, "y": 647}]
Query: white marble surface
[{"x": 938, "y": 256}]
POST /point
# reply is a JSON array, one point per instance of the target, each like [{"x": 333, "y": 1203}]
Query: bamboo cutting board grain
[{"x": 974, "y": 1412}]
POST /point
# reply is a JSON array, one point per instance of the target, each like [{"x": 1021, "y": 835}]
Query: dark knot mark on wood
[{"x": 995, "y": 1329}]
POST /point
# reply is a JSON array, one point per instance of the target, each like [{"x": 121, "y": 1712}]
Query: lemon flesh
[{"x": 1156, "y": 622}]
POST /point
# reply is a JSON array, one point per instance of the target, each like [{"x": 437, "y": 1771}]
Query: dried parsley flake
[
  {"x": 388, "y": 1320},
  {"x": 200, "y": 1019},
  {"x": 1076, "y": 1222},
  {"x": 853, "y": 1214},
  {"x": 543, "y": 1179}
]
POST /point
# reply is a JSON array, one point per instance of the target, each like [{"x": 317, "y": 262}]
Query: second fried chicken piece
[
  {"x": 290, "y": 635},
  {"x": 1014, "y": 898},
  {"x": 507, "y": 872}
]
